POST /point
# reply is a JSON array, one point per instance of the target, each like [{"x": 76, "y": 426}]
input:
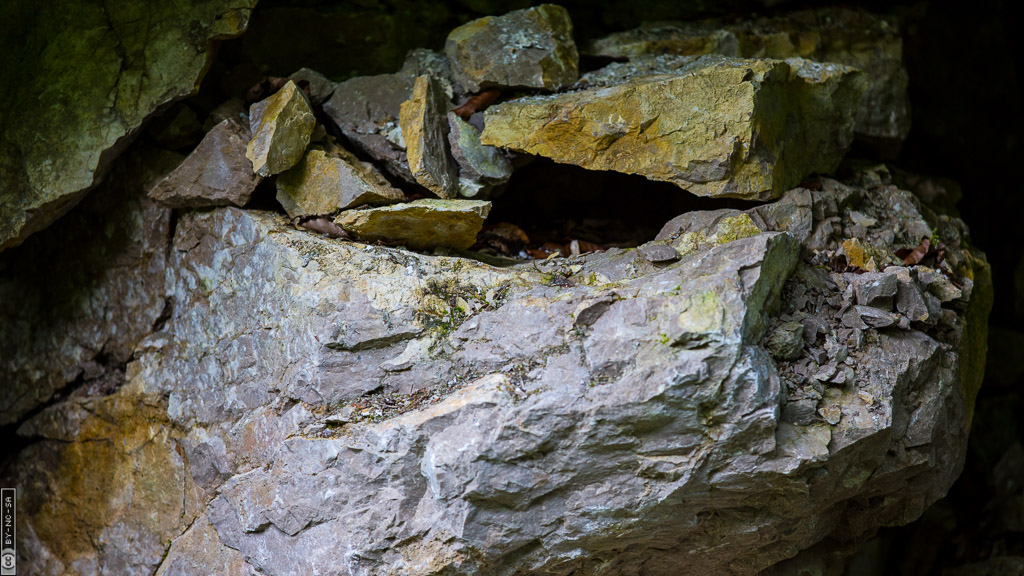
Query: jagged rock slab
[
  {"x": 853, "y": 37},
  {"x": 370, "y": 410},
  {"x": 320, "y": 86},
  {"x": 281, "y": 128},
  {"x": 332, "y": 179},
  {"x": 75, "y": 301},
  {"x": 80, "y": 79},
  {"x": 420, "y": 225},
  {"x": 424, "y": 124},
  {"x": 712, "y": 125},
  {"x": 531, "y": 48},
  {"x": 216, "y": 173},
  {"x": 481, "y": 168},
  {"x": 424, "y": 62}
]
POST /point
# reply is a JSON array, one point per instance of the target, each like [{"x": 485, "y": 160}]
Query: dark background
[{"x": 964, "y": 90}]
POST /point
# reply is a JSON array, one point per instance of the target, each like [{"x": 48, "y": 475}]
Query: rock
[
  {"x": 786, "y": 342},
  {"x": 698, "y": 230},
  {"x": 853, "y": 37},
  {"x": 231, "y": 109},
  {"x": 531, "y": 48},
  {"x": 320, "y": 87},
  {"x": 481, "y": 168},
  {"x": 694, "y": 127},
  {"x": 366, "y": 109},
  {"x": 76, "y": 301},
  {"x": 105, "y": 69},
  {"x": 330, "y": 179},
  {"x": 424, "y": 123},
  {"x": 216, "y": 173},
  {"x": 909, "y": 300},
  {"x": 281, "y": 127},
  {"x": 867, "y": 257},
  {"x": 424, "y": 62},
  {"x": 876, "y": 289},
  {"x": 420, "y": 225},
  {"x": 657, "y": 252}
]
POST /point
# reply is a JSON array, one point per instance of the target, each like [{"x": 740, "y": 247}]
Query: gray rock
[
  {"x": 423, "y": 119},
  {"x": 658, "y": 252},
  {"x": 481, "y": 168},
  {"x": 216, "y": 173},
  {"x": 105, "y": 68},
  {"x": 320, "y": 87},
  {"x": 786, "y": 341},
  {"x": 281, "y": 128},
  {"x": 877, "y": 289},
  {"x": 531, "y": 48}
]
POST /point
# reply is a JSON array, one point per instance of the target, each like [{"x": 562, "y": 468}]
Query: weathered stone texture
[
  {"x": 420, "y": 225},
  {"x": 712, "y": 125},
  {"x": 424, "y": 123},
  {"x": 79, "y": 80},
  {"x": 281, "y": 128}
]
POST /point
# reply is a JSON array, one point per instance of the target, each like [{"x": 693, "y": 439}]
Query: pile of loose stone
[{"x": 443, "y": 134}]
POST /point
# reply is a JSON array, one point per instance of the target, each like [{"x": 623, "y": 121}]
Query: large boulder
[
  {"x": 79, "y": 81},
  {"x": 368, "y": 410},
  {"x": 712, "y": 125}
]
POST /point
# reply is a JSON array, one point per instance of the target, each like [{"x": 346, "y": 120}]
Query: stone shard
[
  {"x": 419, "y": 225},
  {"x": 216, "y": 173},
  {"x": 96, "y": 72},
  {"x": 853, "y": 37},
  {"x": 424, "y": 123},
  {"x": 320, "y": 87},
  {"x": 876, "y": 289},
  {"x": 75, "y": 301},
  {"x": 329, "y": 179},
  {"x": 281, "y": 128},
  {"x": 481, "y": 168},
  {"x": 712, "y": 125},
  {"x": 530, "y": 48}
]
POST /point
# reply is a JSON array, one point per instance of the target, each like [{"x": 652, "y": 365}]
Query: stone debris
[
  {"x": 530, "y": 48},
  {"x": 320, "y": 86},
  {"x": 658, "y": 252},
  {"x": 419, "y": 225},
  {"x": 481, "y": 168},
  {"x": 852, "y": 37},
  {"x": 424, "y": 123},
  {"x": 281, "y": 128},
  {"x": 329, "y": 179},
  {"x": 216, "y": 173},
  {"x": 694, "y": 127}
]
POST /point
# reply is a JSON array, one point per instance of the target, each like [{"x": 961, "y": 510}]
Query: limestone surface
[
  {"x": 216, "y": 173},
  {"x": 424, "y": 124},
  {"x": 79, "y": 80},
  {"x": 330, "y": 178},
  {"x": 281, "y": 128},
  {"x": 313, "y": 405},
  {"x": 715, "y": 126},
  {"x": 481, "y": 168},
  {"x": 420, "y": 225},
  {"x": 870, "y": 43},
  {"x": 530, "y": 48}
]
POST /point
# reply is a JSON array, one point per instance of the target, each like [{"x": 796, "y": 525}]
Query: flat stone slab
[
  {"x": 420, "y": 225},
  {"x": 216, "y": 173},
  {"x": 281, "y": 128},
  {"x": 329, "y": 179},
  {"x": 870, "y": 43},
  {"x": 712, "y": 125},
  {"x": 530, "y": 48}
]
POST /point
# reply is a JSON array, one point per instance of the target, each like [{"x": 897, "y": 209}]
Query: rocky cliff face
[{"x": 355, "y": 389}]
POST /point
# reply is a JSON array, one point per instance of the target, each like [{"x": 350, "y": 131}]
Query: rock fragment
[
  {"x": 658, "y": 252},
  {"x": 281, "y": 127},
  {"x": 419, "y": 225},
  {"x": 698, "y": 230},
  {"x": 876, "y": 289},
  {"x": 531, "y": 48},
  {"x": 481, "y": 168},
  {"x": 329, "y": 179},
  {"x": 424, "y": 123},
  {"x": 786, "y": 341},
  {"x": 856, "y": 38},
  {"x": 714, "y": 126},
  {"x": 216, "y": 173},
  {"x": 320, "y": 87}
]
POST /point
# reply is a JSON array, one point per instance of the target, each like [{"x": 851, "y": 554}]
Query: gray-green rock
[
  {"x": 329, "y": 179},
  {"x": 420, "y": 225},
  {"x": 320, "y": 87},
  {"x": 856, "y": 38},
  {"x": 216, "y": 173},
  {"x": 531, "y": 48},
  {"x": 281, "y": 128},
  {"x": 424, "y": 124},
  {"x": 481, "y": 168},
  {"x": 79, "y": 78},
  {"x": 715, "y": 126}
]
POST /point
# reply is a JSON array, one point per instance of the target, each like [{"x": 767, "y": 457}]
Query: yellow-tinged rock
[
  {"x": 420, "y": 225},
  {"x": 712, "y": 125},
  {"x": 329, "y": 179},
  {"x": 694, "y": 231},
  {"x": 424, "y": 122},
  {"x": 281, "y": 128},
  {"x": 866, "y": 256}
]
